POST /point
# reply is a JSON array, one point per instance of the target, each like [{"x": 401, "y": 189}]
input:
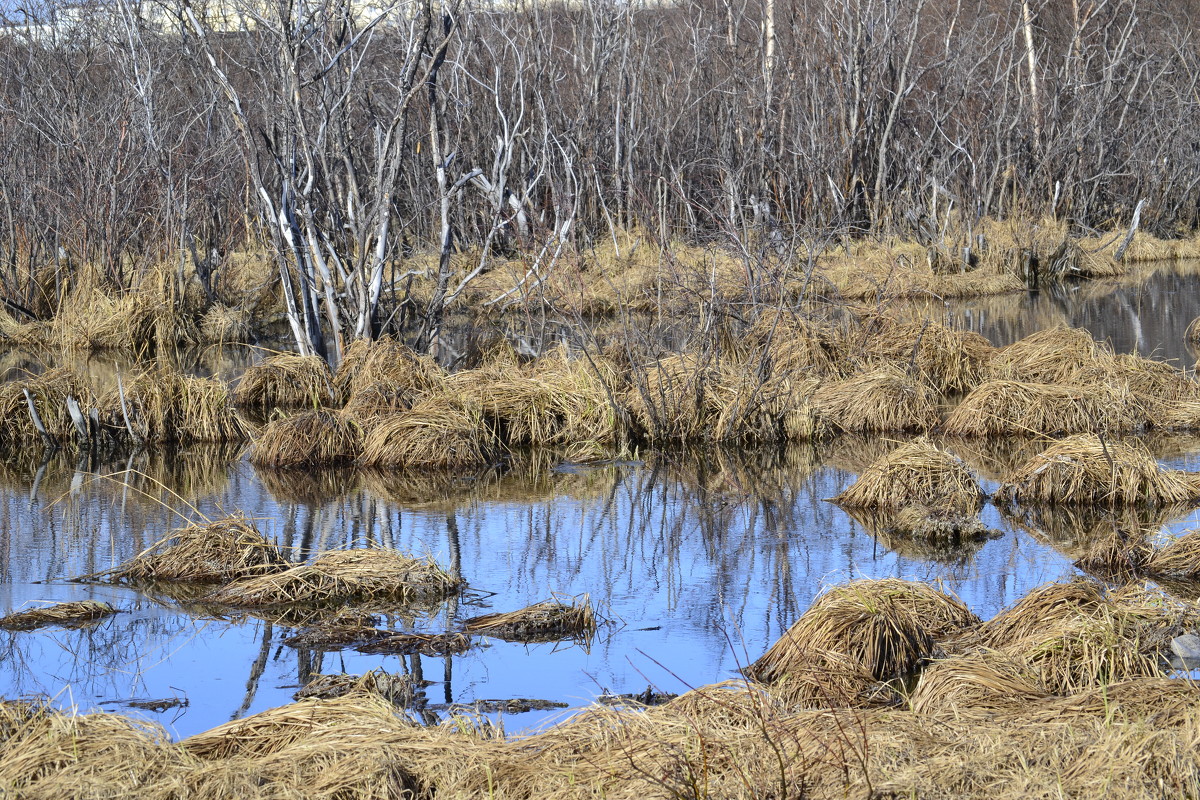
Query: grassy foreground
[{"x": 882, "y": 689}]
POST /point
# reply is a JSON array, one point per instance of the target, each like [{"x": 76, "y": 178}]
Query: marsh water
[{"x": 698, "y": 561}]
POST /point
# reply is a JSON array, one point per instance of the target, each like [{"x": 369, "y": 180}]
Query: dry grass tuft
[
  {"x": 949, "y": 360},
  {"x": 669, "y": 400},
  {"x": 1073, "y": 638},
  {"x": 49, "y": 391},
  {"x": 223, "y": 324},
  {"x": 287, "y": 380},
  {"x": 437, "y": 433},
  {"x": 388, "y": 362},
  {"x": 917, "y": 473},
  {"x": 884, "y": 628},
  {"x": 167, "y": 406},
  {"x": 228, "y": 549},
  {"x": 1086, "y": 469},
  {"x": 1051, "y": 356},
  {"x": 340, "y": 576},
  {"x": 308, "y": 439},
  {"x": 1179, "y": 559},
  {"x": 559, "y": 400},
  {"x": 69, "y": 615},
  {"x": 1007, "y": 408},
  {"x": 46, "y": 753},
  {"x": 548, "y": 621},
  {"x": 987, "y": 681},
  {"x": 883, "y": 400}
]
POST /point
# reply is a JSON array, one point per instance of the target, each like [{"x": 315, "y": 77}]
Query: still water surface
[{"x": 699, "y": 562}]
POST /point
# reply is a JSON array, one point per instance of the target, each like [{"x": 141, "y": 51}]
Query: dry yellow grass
[
  {"x": 547, "y": 621},
  {"x": 885, "y": 628},
  {"x": 223, "y": 550},
  {"x": 308, "y": 439},
  {"x": 287, "y": 380},
  {"x": 916, "y": 473},
  {"x": 437, "y": 433},
  {"x": 1087, "y": 469},
  {"x": 74, "y": 614},
  {"x": 164, "y": 405},
  {"x": 48, "y": 393},
  {"x": 388, "y": 362},
  {"x": 884, "y": 400},
  {"x": 342, "y": 576},
  {"x": 1011, "y": 408}
]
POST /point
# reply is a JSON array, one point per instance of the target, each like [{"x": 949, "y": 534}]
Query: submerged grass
[
  {"x": 74, "y": 614},
  {"x": 548, "y": 621},
  {"x": 340, "y": 576}
]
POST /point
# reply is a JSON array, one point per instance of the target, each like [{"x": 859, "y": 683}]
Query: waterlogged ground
[{"x": 699, "y": 561}]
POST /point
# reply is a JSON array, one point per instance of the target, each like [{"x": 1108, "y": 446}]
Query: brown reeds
[
  {"x": 68, "y": 615},
  {"x": 1179, "y": 559},
  {"x": 340, "y": 576},
  {"x": 308, "y": 439},
  {"x": 222, "y": 324},
  {"x": 885, "y": 628},
  {"x": 1087, "y": 469},
  {"x": 548, "y": 621},
  {"x": 436, "y": 433},
  {"x": 883, "y": 400},
  {"x": 224, "y": 550},
  {"x": 434, "y": 645},
  {"x": 917, "y": 473},
  {"x": 287, "y": 380}
]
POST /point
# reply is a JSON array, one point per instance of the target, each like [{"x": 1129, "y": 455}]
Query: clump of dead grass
[
  {"x": 949, "y": 360},
  {"x": 1179, "y": 559},
  {"x": 548, "y": 621},
  {"x": 164, "y": 405},
  {"x": 224, "y": 550},
  {"x": 985, "y": 681},
  {"x": 308, "y": 439},
  {"x": 437, "y": 433},
  {"x": 399, "y": 689},
  {"x": 388, "y": 362},
  {"x": 340, "y": 576},
  {"x": 884, "y": 400},
  {"x": 69, "y": 615},
  {"x": 49, "y": 393},
  {"x": 917, "y": 473},
  {"x": 881, "y": 629},
  {"x": 1087, "y": 469},
  {"x": 668, "y": 399},
  {"x": 287, "y": 380},
  {"x": 223, "y": 324},
  {"x": 1052, "y": 356},
  {"x": 1008, "y": 408}
]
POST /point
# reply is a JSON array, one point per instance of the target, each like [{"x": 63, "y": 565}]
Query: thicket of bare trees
[{"x": 340, "y": 138}]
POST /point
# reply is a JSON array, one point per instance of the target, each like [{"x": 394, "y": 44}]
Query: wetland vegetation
[{"x": 589, "y": 399}]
